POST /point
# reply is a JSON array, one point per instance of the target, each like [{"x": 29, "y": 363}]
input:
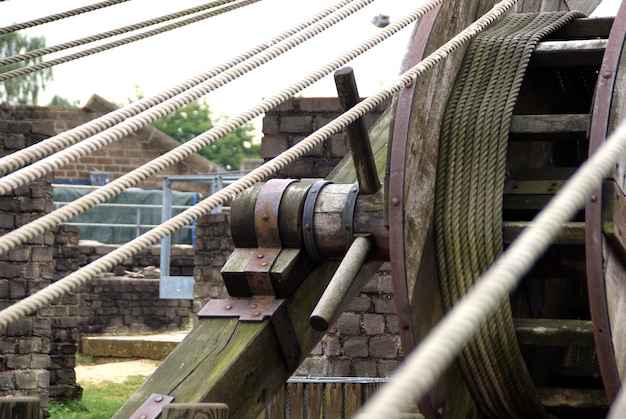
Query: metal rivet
[
  {"x": 228, "y": 307},
  {"x": 263, "y": 263},
  {"x": 253, "y": 305},
  {"x": 346, "y": 226},
  {"x": 260, "y": 256},
  {"x": 395, "y": 201},
  {"x": 607, "y": 74},
  {"x": 314, "y": 190},
  {"x": 143, "y": 417},
  {"x": 257, "y": 313},
  {"x": 158, "y": 399},
  {"x": 266, "y": 217},
  {"x": 307, "y": 227},
  {"x": 353, "y": 190},
  {"x": 594, "y": 198}
]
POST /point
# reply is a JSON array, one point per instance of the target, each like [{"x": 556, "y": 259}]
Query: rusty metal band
[
  {"x": 266, "y": 212},
  {"x": 257, "y": 310},
  {"x": 348, "y": 214},
  {"x": 396, "y": 159},
  {"x": 600, "y": 118},
  {"x": 152, "y": 407},
  {"x": 307, "y": 219}
]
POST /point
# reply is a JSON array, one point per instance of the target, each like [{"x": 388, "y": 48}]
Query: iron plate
[{"x": 152, "y": 407}]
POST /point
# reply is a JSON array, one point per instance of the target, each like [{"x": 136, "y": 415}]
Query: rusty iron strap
[{"x": 152, "y": 407}]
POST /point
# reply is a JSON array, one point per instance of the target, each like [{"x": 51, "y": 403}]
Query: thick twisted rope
[
  {"x": 124, "y": 41},
  {"x": 133, "y": 124},
  {"x": 106, "y": 262},
  {"x": 58, "y": 16},
  {"x": 46, "y": 222},
  {"x": 58, "y": 142},
  {"x": 443, "y": 344},
  {"x": 468, "y": 202},
  {"x": 108, "y": 34}
]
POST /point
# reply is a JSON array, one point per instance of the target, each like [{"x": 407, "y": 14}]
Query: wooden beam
[
  {"x": 571, "y": 233},
  {"x": 587, "y": 28},
  {"x": 587, "y": 52},
  {"x": 554, "y": 332},
  {"x": 566, "y": 127}
]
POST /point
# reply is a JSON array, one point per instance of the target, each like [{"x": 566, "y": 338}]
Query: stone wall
[
  {"x": 25, "y": 345},
  {"x": 126, "y": 305},
  {"x": 297, "y": 118},
  {"x": 116, "y": 159}
]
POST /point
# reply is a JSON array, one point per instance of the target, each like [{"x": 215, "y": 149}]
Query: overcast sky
[{"x": 162, "y": 61}]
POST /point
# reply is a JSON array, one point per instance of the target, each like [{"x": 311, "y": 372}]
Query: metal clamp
[
  {"x": 268, "y": 236},
  {"x": 256, "y": 310},
  {"x": 348, "y": 214},
  {"x": 152, "y": 407},
  {"x": 307, "y": 219}
]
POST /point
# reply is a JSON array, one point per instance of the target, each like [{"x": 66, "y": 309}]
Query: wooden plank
[
  {"x": 572, "y": 398},
  {"x": 554, "y": 332},
  {"x": 614, "y": 217},
  {"x": 334, "y": 401},
  {"x": 296, "y": 400},
  {"x": 240, "y": 363},
  {"x": 588, "y": 52},
  {"x": 566, "y": 127},
  {"x": 277, "y": 406},
  {"x": 571, "y": 233},
  {"x": 315, "y": 408},
  {"x": 353, "y": 398},
  {"x": 593, "y": 27},
  {"x": 19, "y": 407},
  {"x": 195, "y": 410}
]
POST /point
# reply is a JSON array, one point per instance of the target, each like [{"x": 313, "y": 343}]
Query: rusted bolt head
[
  {"x": 594, "y": 198},
  {"x": 266, "y": 217},
  {"x": 143, "y": 417},
  {"x": 263, "y": 263},
  {"x": 257, "y": 313},
  {"x": 260, "y": 256},
  {"x": 253, "y": 305},
  {"x": 228, "y": 307},
  {"x": 607, "y": 74},
  {"x": 307, "y": 227},
  {"x": 395, "y": 201},
  {"x": 313, "y": 190},
  {"x": 158, "y": 399}
]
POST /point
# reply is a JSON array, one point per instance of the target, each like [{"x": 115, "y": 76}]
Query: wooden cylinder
[
  {"x": 340, "y": 284},
  {"x": 329, "y": 227}
]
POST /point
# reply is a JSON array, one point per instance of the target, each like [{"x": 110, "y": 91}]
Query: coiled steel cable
[
  {"x": 58, "y": 142},
  {"x": 46, "y": 222},
  {"x": 118, "y": 43},
  {"x": 108, "y": 34},
  {"x": 58, "y": 16},
  {"x": 106, "y": 262},
  {"x": 443, "y": 344}
]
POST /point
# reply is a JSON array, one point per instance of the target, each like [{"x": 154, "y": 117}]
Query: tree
[
  {"x": 194, "y": 119},
  {"x": 25, "y": 89}
]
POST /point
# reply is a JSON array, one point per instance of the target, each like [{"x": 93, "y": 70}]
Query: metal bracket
[
  {"x": 268, "y": 236},
  {"x": 256, "y": 310},
  {"x": 152, "y": 407},
  {"x": 307, "y": 219},
  {"x": 348, "y": 214}
]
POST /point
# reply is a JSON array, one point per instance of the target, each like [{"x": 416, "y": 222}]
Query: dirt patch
[{"x": 114, "y": 371}]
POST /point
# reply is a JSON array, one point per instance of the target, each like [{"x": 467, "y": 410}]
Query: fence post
[{"x": 19, "y": 407}]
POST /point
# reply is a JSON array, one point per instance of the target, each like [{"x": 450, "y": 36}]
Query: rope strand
[
  {"x": 93, "y": 38},
  {"x": 106, "y": 262},
  {"x": 58, "y": 142},
  {"x": 58, "y": 16}
]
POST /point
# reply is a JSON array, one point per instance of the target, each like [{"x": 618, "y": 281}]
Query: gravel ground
[{"x": 115, "y": 371}]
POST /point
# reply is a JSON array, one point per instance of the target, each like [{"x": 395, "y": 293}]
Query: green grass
[{"x": 99, "y": 401}]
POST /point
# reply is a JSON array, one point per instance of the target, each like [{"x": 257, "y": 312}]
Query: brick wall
[
  {"x": 297, "y": 118},
  {"x": 25, "y": 345},
  {"x": 116, "y": 159}
]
